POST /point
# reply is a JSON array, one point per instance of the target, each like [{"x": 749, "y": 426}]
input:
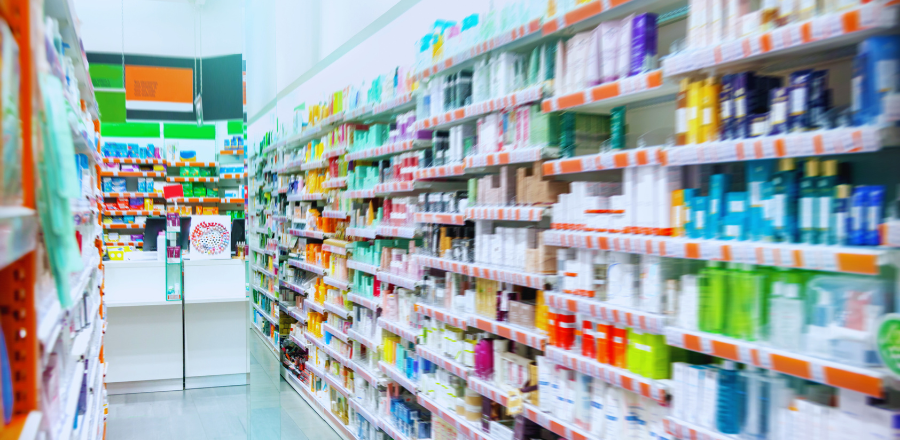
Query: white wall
[{"x": 161, "y": 27}]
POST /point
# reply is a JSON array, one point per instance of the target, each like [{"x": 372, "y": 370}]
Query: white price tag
[
  {"x": 587, "y": 164},
  {"x": 745, "y": 355},
  {"x": 786, "y": 257},
  {"x": 706, "y": 345},
  {"x": 828, "y": 260},
  {"x": 777, "y": 37},
  {"x": 765, "y": 358},
  {"x": 835, "y": 25},
  {"x": 674, "y": 337},
  {"x": 795, "y": 35},
  {"x": 817, "y": 372},
  {"x": 768, "y": 255},
  {"x": 607, "y": 161},
  {"x": 869, "y": 14},
  {"x": 768, "y": 147},
  {"x": 727, "y": 152},
  {"x": 690, "y": 154},
  {"x": 819, "y": 26},
  {"x": 811, "y": 258},
  {"x": 755, "y": 47},
  {"x": 710, "y": 251},
  {"x": 799, "y": 145}
]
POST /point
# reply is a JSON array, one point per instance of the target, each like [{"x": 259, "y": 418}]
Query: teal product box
[
  {"x": 758, "y": 173},
  {"x": 689, "y": 195},
  {"x": 735, "y": 222},
  {"x": 699, "y": 213},
  {"x": 718, "y": 185}
]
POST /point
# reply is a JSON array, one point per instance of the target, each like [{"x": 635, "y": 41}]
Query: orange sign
[{"x": 159, "y": 84}]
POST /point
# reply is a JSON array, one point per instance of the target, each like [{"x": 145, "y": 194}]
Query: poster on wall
[{"x": 210, "y": 237}]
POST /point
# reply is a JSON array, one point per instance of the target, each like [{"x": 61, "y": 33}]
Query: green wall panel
[
  {"x": 189, "y": 131},
  {"x": 129, "y": 129},
  {"x": 112, "y": 106}
]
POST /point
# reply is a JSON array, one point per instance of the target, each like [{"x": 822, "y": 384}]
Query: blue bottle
[{"x": 730, "y": 403}]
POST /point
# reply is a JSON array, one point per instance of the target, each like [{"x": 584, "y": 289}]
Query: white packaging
[
  {"x": 598, "y": 415},
  {"x": 609, "y": 33},
  {"x": 629, "y": 191},
  {"x": 623, "y": 49},
  {"x": 645, "y": 179},
  {"x": 694, "y": 394},
  {"x": 545, "y": 388},
  {"x": 559, "y": 85},
  {"x": 709, "y": 398}
]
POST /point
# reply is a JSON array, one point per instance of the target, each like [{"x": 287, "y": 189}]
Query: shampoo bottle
[
  {"x": 728, "y": 408},
  {"x": 809, "y": 199}
]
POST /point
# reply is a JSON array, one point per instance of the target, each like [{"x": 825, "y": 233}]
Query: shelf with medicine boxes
[
  {"x": 653, "y": 389},
  {"x": 624, "y": 316},
  {"x": 444, "y": 219},
  {"x": 314, "y": 164},
  {"x": 357, "y": 265},
  {"x": 529, "y": 337},
  {"x": 232, "y": 176},
  {"x": 113, "y": 173},
  {"x": 463, "y": 426},
  {"x": 511, "y": 213},
  {"x": 809, "y": 144},
  {"x": 305, "y": 197},
  {"x": 482, "y": 162},
  {"x": 403, "y": 331},
  {"x": 271, "y": 295},
  {"x": 197, "y": 200},
  {"x": 133, "y": 160},
  {"x": 604, "y": 97},
  {"x": 292, "y": 287},
  {"x": 396, "y": 231},
  {"x": 438, "y": 172},
  {"x": 397, "y": 376},
  {"x": 362, "y": 232},
  {"x": 488, "y": 389},
  {"x": 846, "y": 259},
  {"x": 369, "y": 342},
  {"x": 369, "y": 303},
  {"x": 266, "y": 315},
  {"x": 335, "y": 246},
  {"x": 536, "y": 281},
  {"x": 192, "y": 179},
  {"x": 263, "y": 270},
  {"x": 443, "y": 361},
  {"x": 397, "y": 104},
  {"x": 555, "y": 425},
  {"x": 397, "y": 280},
  {"x": 155, "y": 212},
  {"x": 306, "y": 233},
  {"x": 685, "y": 430},
  {"x": 323, "y": 411},
  {"x": 388, "y": 149},
  {"x": 309, "y": 267},
  {"x": 312, "y": 305},
  {"x": 336, "y": 309},
  {"x": 334, "y": 183},
  {"x": 458, "y": 320},
  {"x": 330, "y": 213},
  {"x": 331, "y": 329},
  {"x": 871, "y": 381},
  {"x": 473, "y": 111},
  {"x": 293, "y": 312},
  {"x": 150, "y": 195},
  {"x": 821, "y": 34}
]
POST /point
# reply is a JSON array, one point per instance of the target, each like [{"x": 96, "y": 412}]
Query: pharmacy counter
[{"x": 158, "y": 345}]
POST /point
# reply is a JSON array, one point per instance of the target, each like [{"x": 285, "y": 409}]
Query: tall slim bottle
[{"x": 784, "y": 215}]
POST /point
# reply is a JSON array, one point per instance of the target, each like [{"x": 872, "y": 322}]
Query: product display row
[{"x": 579, "y": 237}]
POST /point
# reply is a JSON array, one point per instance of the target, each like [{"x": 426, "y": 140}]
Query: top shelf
[{"x": 64, "y": 12}]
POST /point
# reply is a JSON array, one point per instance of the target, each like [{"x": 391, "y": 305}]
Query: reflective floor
[{"x": 276, "y": 411}]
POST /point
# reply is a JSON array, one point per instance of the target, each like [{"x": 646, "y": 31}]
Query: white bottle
[{"x": 161, "y": 246}]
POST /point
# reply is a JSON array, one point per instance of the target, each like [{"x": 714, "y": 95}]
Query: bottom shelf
[
  {"x": 269, "y": 343},
  {"x": 323, "y": 411}
]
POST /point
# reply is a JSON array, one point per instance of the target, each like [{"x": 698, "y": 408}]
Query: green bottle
[
  {"x": 745, "y": 293},
  {"x": 713, "y": 284}
]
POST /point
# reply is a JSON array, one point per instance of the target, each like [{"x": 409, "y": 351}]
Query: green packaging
[
  {"x": 713, "y": 284},
  {"x": 184, "y": 172},
  {"x": 187, "y": 188},
  {"x": 617, "y": 138},
  {"x": 199, "y": 191}
]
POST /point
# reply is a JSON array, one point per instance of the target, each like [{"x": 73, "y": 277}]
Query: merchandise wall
[{"x": 593, "y": 220}]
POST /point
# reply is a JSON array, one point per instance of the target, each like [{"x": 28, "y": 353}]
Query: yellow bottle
[
  {"x": 709, "y": 110},
  {"x": 693, "y": 112}
]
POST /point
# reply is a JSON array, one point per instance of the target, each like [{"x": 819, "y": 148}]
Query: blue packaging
[
  {"x": 107, "y": 185},
  {"x": 758, "y": 172},
  {"x": 881, "y": 72},
  {"x": 718, "y": 186},
  {"x": 132, "y": 150},
  {"x": 798, "y": 116},
  {"x": 699, "y": 212},
  {"x": 778, "y": 111},
  {"x": 818, "y": 101},
  {"x": 858, "y": 200},
  {"x": 726, "y": 101},
  {"x": 857, "y": 91},
  {"x": 689, "y": 195},
  {"x": 743, "y": 87},
  {"x": 874, "y": 214},
  {"x": 643, "y": 43}
]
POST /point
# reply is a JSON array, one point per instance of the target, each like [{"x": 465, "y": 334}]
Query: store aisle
[{"x": 220, "y": 413}]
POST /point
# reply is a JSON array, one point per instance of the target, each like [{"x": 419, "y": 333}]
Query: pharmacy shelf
[
  {"x": 18, "y": 228},
  {"x": 619, "y": 377},
  {"x": 305, "y": 233},
  {"x": 364, "y": 267},
  {"x": 623, "y": 316},
  {"x": 320, "y": 409},
  {"x": 400, "y": 330},
  {"x": 122, "y": 226},
  {"x": 388, "y": 149},
  {"x": 332, "y": 247},
  {"x": 360, "y": 194},
  {"x": 396, "y": 231},
  {"x": 439, "y": 218},
  {"x": 463, "y": 427},
  {"x": 480, "y": 162},
  {"x": 397, "y": 104},
  {"x": 292, "y": 167},
  {"x": 362, "y": 410},
  {"x": 113, "y": 173},
  {"x": 689, "y": 431},
  {"x": 362, "y": 232},
  {"x": 488, "y": 390},
  {"x": 305, "y": 197},
  {"x": 309, "y": 267},
  {"x": 815, "y": 143},
  {"x": 133, "y": 160},
  {"x": 452, "y": 170},
  {"x": 332, "y": 329},
  {"x": 857, "y": 260},
  {"x": 395, "y": 187},
  {"x": 511, "y": 213},
  {"x": 398, "y": 280},
  {"x": 293, "y": 312},
  {"x": 146, "y": 195},
  {"x": 69, "y": 403},
  {"x": 231, "y": 152},
  {"x": 314, "y": 306},
  {"x": 336, "y": 385},
  {"x": 524, "y": 34},
  {"x": 192, "y": 179},
  {"x": 375, "y": 380},
  {"x": 196, "y": 200},
  {"x": 529, "y": 337},
  {"x": 190, "y": 164},
  {"x": 362, "y": 339},
  {"x": 134, "y": 212},
  {"x": 330, "y": 213},
  {"x": 334, "y": 183},
  {"x": 535, "y": 281},
  {"x": 822, "y": 34},
  {"x": 554, "y": 424},
  {"x": 232, "y": 176},
  {"x": 358, "y": 113},
  {"x": 260, "y": 250},
  {"x": 589, "y": 14},
  {"x": 232, "y": 200},
  {"x": 266, "y": 293},
  {"x": 397, "y": 376},
  {"x": 314, "y": 164},
  {"x": 443, "y": 361},
  {"x": 478, "y": 109},
  {"x": 314, "y": 340},
  {"x": 268, "y": 317},
  {"x": 605, "y": 97},
  {"x": 339, "y": 284},
  {"x": 368, "y": 303},
  {"x": 871, "y": 381},
  {"x": 391, "y": 430},
  {"x": 458, "y": 320},
  {"x": 124, "y": 243},
  {"x": 262, "y": 270},
  {"x": 340, "y": 311}
]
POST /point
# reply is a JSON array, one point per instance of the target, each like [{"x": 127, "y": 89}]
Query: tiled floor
[{"x": 276, "y": 411}]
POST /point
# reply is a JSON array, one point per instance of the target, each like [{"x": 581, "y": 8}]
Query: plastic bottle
[
  {"x": 728, "y": 407},
  {"x": 713, "y": 285}
]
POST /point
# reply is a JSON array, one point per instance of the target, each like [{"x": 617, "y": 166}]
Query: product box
[
  {"x": 148, "y": 204},
  {"x": 521, "y": 314},
  {"x": 210, "y": 210},
  {"x": 123, "y": 203},
  {"x": 184, "y": 172},
  {"x": 136, "y": 203},
  {"x": 199, "y": 191},
  {"x": 187, "y": 188}
]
